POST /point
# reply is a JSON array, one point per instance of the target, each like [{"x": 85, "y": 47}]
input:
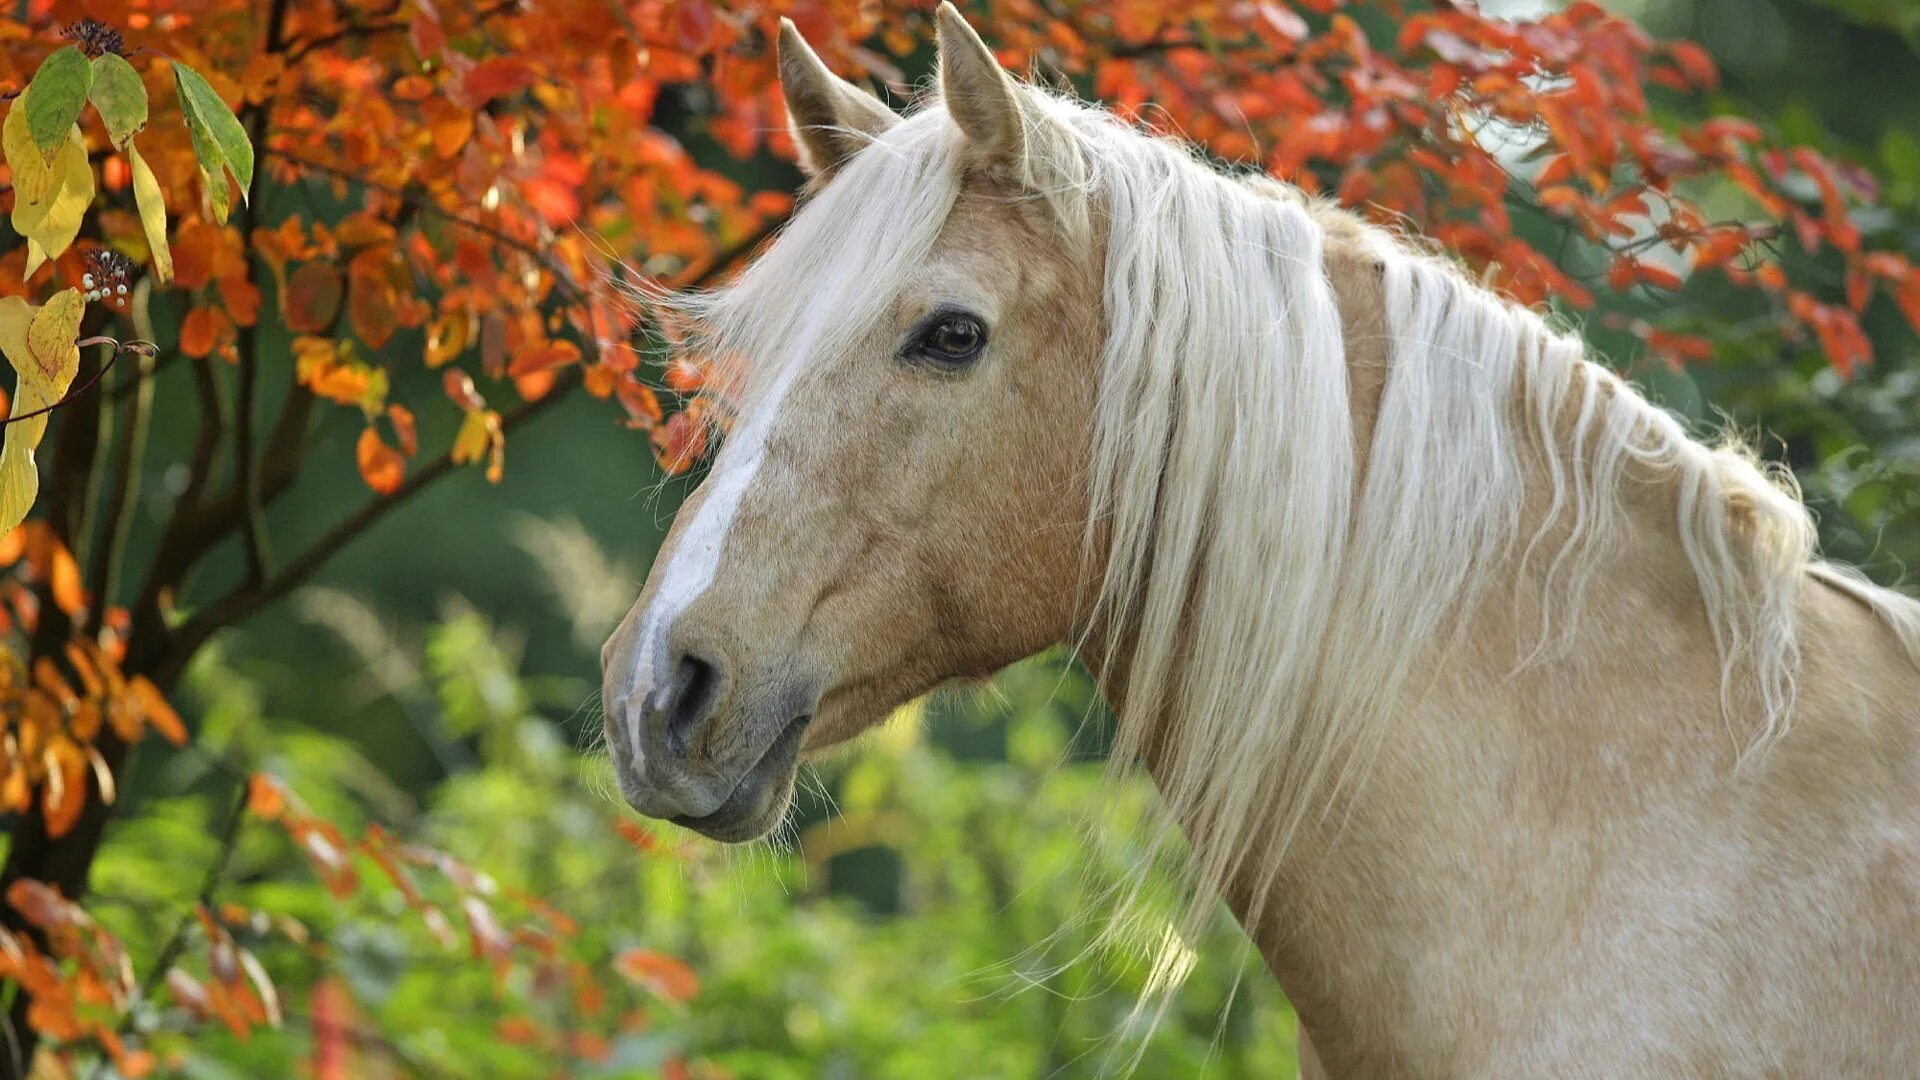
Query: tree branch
[
  {"x": 246, "y": 599},
  {"x": 366, "y": 30},
  {"x": 420, "y": 201},
  {"x": 123, "y": 487}
]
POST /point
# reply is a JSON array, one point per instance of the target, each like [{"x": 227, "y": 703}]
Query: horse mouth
[{"x": 760, "y": 796}]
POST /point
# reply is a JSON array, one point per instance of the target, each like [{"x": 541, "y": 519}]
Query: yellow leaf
[
  {"x": 50, "y": 224},
  {"x": 50, "y": 345},
  {"x": 19, "y": 476},
  {"x": 153, "y": 214},
  {"x": 471, "y": 443},
  {"x": 32, "y": 175}
]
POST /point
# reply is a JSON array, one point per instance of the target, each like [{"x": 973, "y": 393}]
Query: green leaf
[
  {"x": 119, "y": 96},
  {"x": 219, "y": 141},
  {"x": 1901, "y": 152},
  {"x": 59, "y": 90}
]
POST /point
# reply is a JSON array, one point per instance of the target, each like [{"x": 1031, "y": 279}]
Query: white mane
[{"x": 1273, "y": 582}]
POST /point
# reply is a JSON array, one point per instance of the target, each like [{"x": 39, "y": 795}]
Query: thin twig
[
  {"x": 216, "y": 872},
  {"x": 421, "y": 202},
  {"x": 145, "y": 348}
]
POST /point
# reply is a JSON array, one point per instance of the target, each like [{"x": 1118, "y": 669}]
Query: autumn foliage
[{"x": 466, "y": 188}]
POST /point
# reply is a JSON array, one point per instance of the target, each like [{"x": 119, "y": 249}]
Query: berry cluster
[
  {"x": 107, "y": 276},
  {"x": 95, "y": 38}
]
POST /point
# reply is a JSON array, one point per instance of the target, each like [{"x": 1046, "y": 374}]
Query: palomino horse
[{"x": 1524, "y": 735}]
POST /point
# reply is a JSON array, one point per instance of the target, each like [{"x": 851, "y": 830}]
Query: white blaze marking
[{"x": 696, "y": 554}]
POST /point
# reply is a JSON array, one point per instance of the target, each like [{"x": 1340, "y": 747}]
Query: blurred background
[{"x": 918, "y": 917}]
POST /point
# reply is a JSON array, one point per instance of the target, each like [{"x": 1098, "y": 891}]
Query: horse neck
[{"x": 1497, "y": 749}]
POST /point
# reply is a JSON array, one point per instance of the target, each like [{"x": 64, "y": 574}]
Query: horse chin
[{"x": 760, "y": 801}]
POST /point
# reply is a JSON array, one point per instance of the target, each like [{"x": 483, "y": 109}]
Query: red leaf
[
  {"x": 693, "y": 26},
  {"x": 313, "y": 298},
  {"x": 496, "y": 77},
  {"x": 460, "y": 390},
  {"x": 428, "y": 36}
]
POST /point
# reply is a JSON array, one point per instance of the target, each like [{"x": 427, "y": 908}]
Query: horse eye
[{"x": 951, "y": 339}]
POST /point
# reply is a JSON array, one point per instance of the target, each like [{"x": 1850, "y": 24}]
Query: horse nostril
[{"x": 690, "y": 699}]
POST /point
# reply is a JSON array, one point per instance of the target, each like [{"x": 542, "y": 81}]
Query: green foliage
[
  {"x": 119, "y": 97},
  {"x": 933, "y": 912},
  {"x": 219, "y": 141},
  {"x": 58, "y": 92}
]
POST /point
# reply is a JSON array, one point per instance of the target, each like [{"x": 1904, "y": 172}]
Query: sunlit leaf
[
  {"x": 32, "y": 171},
  {"x": 19, "y": 476},
  {"x": 262, "y": 985},
  {"x": 219, "y": 139},
  {"x": 55, "y": 359},
  {"x": 51, "y": 223},
  {"x": 153, "y": 214},
  {"x": 63, "y": 799},
  {"x": 119, "y": 97},
  {"x": 59, "y": 91}
]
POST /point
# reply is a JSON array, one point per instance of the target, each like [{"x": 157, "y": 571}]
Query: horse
[{"x": 1523, "y": 733}]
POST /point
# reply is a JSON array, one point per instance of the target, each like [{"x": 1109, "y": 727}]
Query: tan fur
[{"x": 1566, "y": 867}]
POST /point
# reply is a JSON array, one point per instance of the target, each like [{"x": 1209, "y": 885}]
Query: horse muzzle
[{"x": 708, "y": 743}]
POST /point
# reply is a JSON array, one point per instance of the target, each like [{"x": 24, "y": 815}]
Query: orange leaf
[
  {"x": 450, "y": 125},
  {"x": 667, "y": 976},
  {"x": 160, "y": 715},
  {"x": 335, "y": 870},
  {"x": 403, "y": 429},
  {"x": 64, "y": 796},
  {"x": 517, "y": 1030},
  {"x": 381, "y": 466},
  {"x": 266, "y": 798},
  {"x": 680, "y": 442},
  {"x": 69, "y": 595},
  {"x": 544, "y": 356},
  {"x": 39, "y": 903},
  {"x": 197, "y": 332}
]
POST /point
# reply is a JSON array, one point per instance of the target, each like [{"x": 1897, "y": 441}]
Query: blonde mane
[{"x": 1266, "y": 585}]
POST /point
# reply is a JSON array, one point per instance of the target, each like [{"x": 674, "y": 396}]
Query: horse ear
[
  {"x": 830, "y": 117},
  {"x": 979, "y": 93}
]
